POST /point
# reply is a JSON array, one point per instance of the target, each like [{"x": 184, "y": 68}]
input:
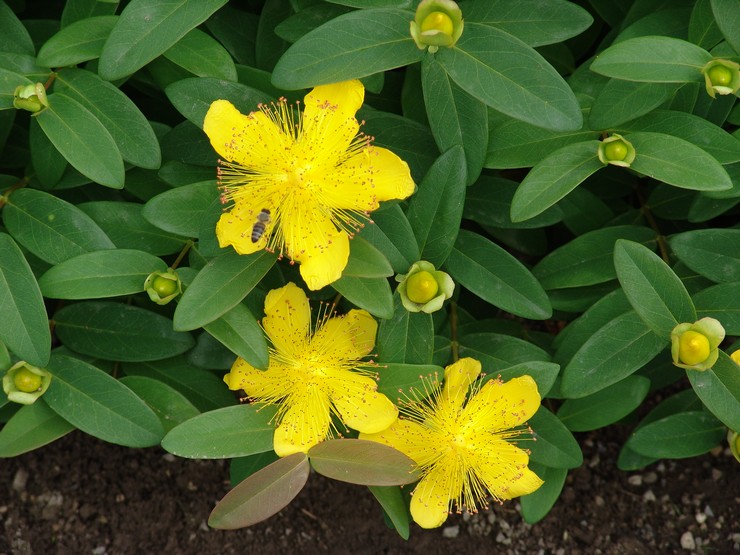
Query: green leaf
[
  {"x": 655, "y": 292},
  {"x": 366, "y": 261},
  {"x": 79, "y": 42},
  {"x": 238, "y": 330},
  {"x": 125, "y": 225},
  {"x": 263, "y": 494},
  {"x": 616, "y": 350},
  {"x": 653, "y": 59},
  {"x": 128, "y": 127},
  {"x": 48, "y": 164},
  {"x": 394, "y": 506},
  {"x": 498, "y": 352},
  {"x": 510, "y": 77},
  {"x": 180, "y": 210},
  {"x": 551, "y": 22},
  {"x": 9, "y": 81},
  {"x": 202, "y": 388},
  {"x": 721, "y": 302},
  {"x": 553, "y": 178},
  {"x": 497, "y": 277},
  {"x": 456, "y": 118},
  {"x": 604, "y": 407},
  {"x": 354, "y": 45},
  {"x": 713, "y": 139},
  {"x": 13, "y": 34},
  {"x": 719, "y": 390},
  {"x": 75, "y": 10},
  {"x": 407, "y": 337},
  {"x": 219, "y": 287},
  {"x": 202, "y": 55},
  {"x": 192, "y": 97},
  {"x": 621, "y": 101},
  {"x": 100, "y": 274},
  {"x": 188, "y": 144},
  {"x": 100, "y": 405},
  {"x": 391, "y": 233},
  {"x": 52, "y": 229},
  {"x": 25, "y": 328},
  {"x": 397, "y": 380},
  {"x": 170, "y": 406},
  {"x": 435, "y": 210},
  {"x": 372, "y": 294},
  {"x": 703, "y": 29},
  {"x": 678, "y": 436},
  {"x": 82, "y": 140},
  {"x": 553, "y": 444},
  {"x": 587, "y": 259},
  {"x": 713, "y": 253},
  {"x": 363, "y": 462},
  {"x": 147, "y": 29},
  {"x": 308, "y": 19},
  {"x": 677, "y": 162},
  {"x": 536, "y": 505},
  {"x": 114, "y": 331},
  {"x": 727, "y": 18},
  {"x": 33, "y": 426},
  {"x": 224, "y": 433}
]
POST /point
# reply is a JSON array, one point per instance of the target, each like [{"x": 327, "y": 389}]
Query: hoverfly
[{"x": 263, "y": 218}]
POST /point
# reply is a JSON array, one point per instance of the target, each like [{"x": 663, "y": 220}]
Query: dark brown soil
[{"x": 83, "y": 496}]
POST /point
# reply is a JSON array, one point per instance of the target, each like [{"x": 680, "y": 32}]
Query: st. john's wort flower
[
  {"x": 464, "y": 440},
  {"x": 314, "y": 374},
  {"x": 302, "y": 183}
]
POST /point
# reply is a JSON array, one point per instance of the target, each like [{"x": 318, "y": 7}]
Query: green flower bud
[
  {"x": 616, "y": 150},
  {"x": 721, "y": 77},
  {"x": 24, "y": 383},
  {"x": 436, "y": 23},
  {"x": 424, "y": 289},
  {"x": 736, "y": 356},
  {"x": 734, "y": 440},
  {"x": 162, "y": 287},
  {"x": 695, "y": 346},
  {"x": 31, "y": 98}
]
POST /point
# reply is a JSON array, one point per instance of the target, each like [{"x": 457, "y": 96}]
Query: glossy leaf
[
  {"x": 48, "y": 163},
  {"x": 14, "y": 36},
  {"x": 553, "y": 444},
  {"x": 391, "y": 233},
  {"x": 396, "y": 381},
  {"x": 147, "y": 29},
  {"x": 391, "y": 499},
  {"x": 100, "y": 274},
  {"x": 33, "y": 426},
  {"x": 366, "y": 261},
  {"x": 713, "y": 253},
  {"x": 354, "y": 45},
  {"x": 263, "y": 494},
  {"x": 100, "y": 405},
  {"x": 536, "y": 505},
  {"x": 224, "y": 433},
  {"x": 115, "y": 331},
  {"x": 170, "y": 406},
  {"x": 367, "y": 463},
  {"x": 371, "y": 294},
  {"x": 202, "y": 55},
  {"x": 511, "y": 77},
  {"x": 727, "y": 18},
  {"x": 719, "y": 390},
  {"x": 678, "y": 436},
  {"x": 620, "y": 101},
  {"x": 553, "y": 178},
  {"x": 407, "y": 337},
  {"x": 25, "y": 328},
  {"x": 219, "y": 287},
  {"x": 721, "y": 302},
  {"x": 180, "y": 210},
  {"x": 9, "y": 81},
  {"x": 654, "y": 290},
  {"x": 78, "y": 42},
  {"x": 238, "y": 330},
  {"x": 496, "y": 276}
]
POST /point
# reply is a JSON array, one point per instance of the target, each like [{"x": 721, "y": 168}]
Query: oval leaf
[
  {"x": 78, "y": 42},
  {"x": 33, "y": 426},
  {"x": 678, "y": 436},
  {"x": 180, "y": 210},
  {"x": 238, "y": 330},
  {"x": 202, "y": 55},
  {"x": 553, "y": 444},
  {"x": 713, "y": 253},
  {"x": 372, "y": 294},
  {"x": 719, "y": 390},
  {"x": 170, "y": 406},
  {"x": 407, "y": 337}
]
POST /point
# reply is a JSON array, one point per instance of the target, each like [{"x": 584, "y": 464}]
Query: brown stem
[{"x": 182, "y": 254}]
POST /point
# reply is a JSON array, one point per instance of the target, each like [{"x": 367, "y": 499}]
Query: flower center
[
  {"x": 421, "y": 287},
  {"x": 693, "y": 348},
  {"x": 437, "y": 21},
  {"x": 26, "y": 381},
  {"x": 616, "y": 150},
  {"x": 720, "y": 76}
]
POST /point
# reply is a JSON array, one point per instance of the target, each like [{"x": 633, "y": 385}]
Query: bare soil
[{"x": 83, "y": 496}]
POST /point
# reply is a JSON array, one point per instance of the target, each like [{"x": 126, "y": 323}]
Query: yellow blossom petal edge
[
  {"x": 287, "y": 320},
  {"x": 301, "y": 183}
]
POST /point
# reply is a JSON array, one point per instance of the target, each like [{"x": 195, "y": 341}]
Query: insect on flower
[{"x": 263, "y": 218}]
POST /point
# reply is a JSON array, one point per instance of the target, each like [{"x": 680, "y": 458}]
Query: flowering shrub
[{"x": 415, "y": 246}]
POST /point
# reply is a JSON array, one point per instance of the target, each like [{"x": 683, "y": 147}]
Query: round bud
[
  {"x": 163, "y": 286},
  {"x": 736, "y": 356},
  {"x": 720, "y": 76},
  {"x": 437, "y": 21},
  {"x": 616, "y": 150},
  {"x": 693, "y": 348},
  {"x": 26, "y": 381},
  {"x": 421, "y": 287}
]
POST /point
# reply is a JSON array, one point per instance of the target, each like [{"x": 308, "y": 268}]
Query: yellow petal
[
  {"x": 347, "y": 337},
  {"x": 526, "y": 484},
  {"x": 329, "y": 123},
  {"x": 430, "y": 501},
  {"x": 252, "y": 140},
  {"x": 240, "y": 371},
  {"x": 411, "y": 438},
  {"x": 502, "y": 467},
  {"x": 287, "y": 319},
  {"x": 458, "y": 377},
  {"x": 363, "y": 181},
  {"x": 304, "y": 425},
  {"x": 234, "y": 228},
  {"x": 361, "y": 407},
  {"x": 323, "y": 256},
  {"x": 500, "y": 406}
]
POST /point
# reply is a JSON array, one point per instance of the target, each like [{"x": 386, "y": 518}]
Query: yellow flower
[
  {"x": 314, "y": 375},
  {"x": 302, "y": 183},
  {"x": 464, "y": 449}
]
